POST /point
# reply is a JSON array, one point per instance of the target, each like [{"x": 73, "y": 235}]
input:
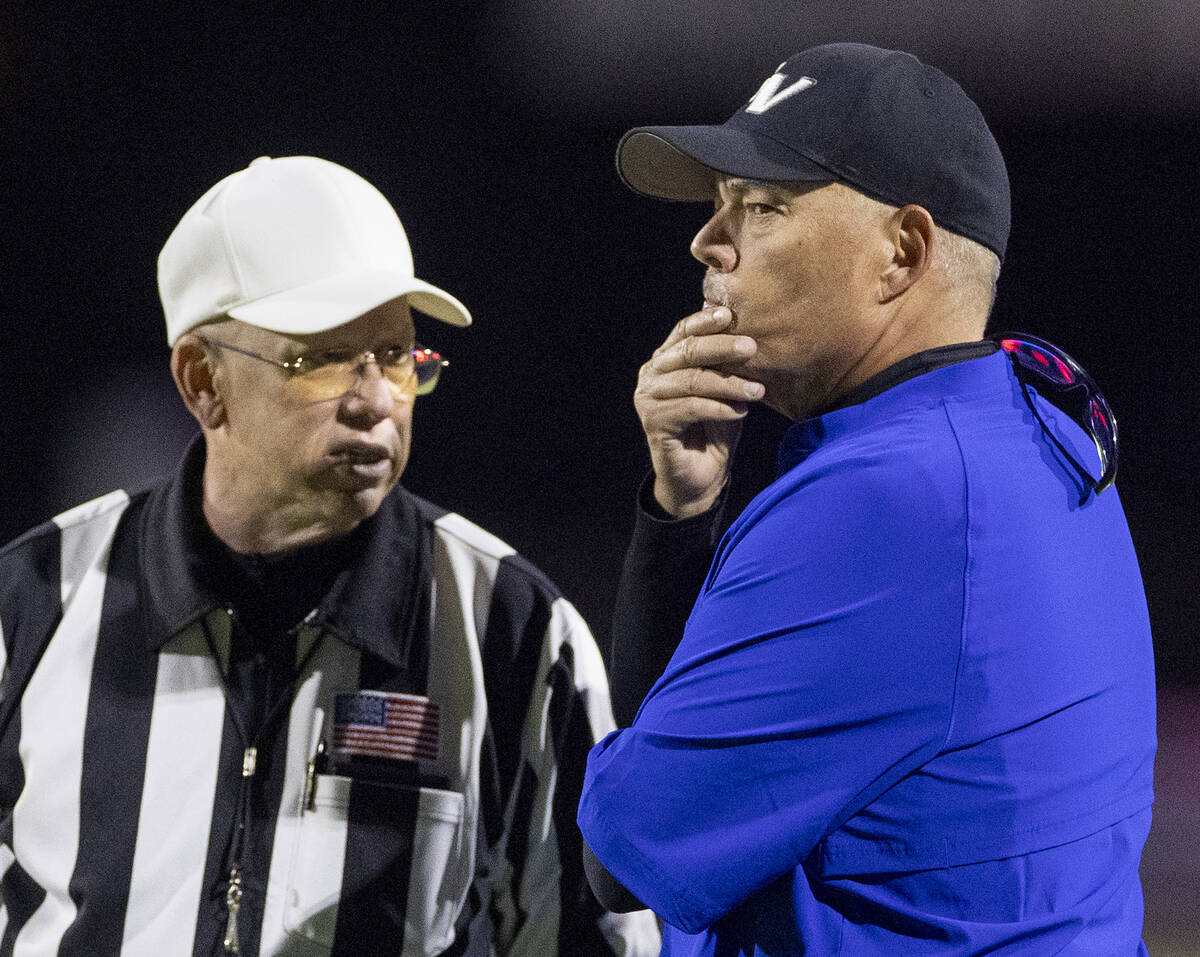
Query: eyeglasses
[
  {"x": 1062, "y": 381},
  {"x": 333, "y": 373}
]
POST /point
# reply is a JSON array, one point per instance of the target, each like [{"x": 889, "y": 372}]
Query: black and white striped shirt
[{"x": 122, "y": 784}]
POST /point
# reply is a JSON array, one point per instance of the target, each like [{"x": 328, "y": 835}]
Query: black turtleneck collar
[
  {"x": 917, "y": 364},
  {"x": 272, "y": 593}
]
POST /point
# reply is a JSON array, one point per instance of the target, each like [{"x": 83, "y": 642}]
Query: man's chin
[
  {"x": 350, "y": 500},
  {"x": 364, "y": 502}
]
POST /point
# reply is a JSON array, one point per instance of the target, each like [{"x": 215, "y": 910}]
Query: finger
[
  {"x": 716, "y": 349},
  {"x": 699, "y": 382},
  {"x": 708, "y": 320},
  {"x": 674, "y": 417}
]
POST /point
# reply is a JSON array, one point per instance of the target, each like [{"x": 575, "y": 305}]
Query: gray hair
[{"x": 970, "y": 270}]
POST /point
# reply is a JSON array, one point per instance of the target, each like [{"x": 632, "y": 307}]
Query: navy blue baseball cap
[{"x": 879, "y": 121}]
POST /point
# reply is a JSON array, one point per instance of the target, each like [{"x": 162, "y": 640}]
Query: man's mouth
[
  {"x": 362, "y": 464},
  {"x": 716, "y": 291},
  {"x": 361, "y": 454},
  {"x": 356, "y": 467}
]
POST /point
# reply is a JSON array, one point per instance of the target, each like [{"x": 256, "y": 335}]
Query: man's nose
[
  {"x": 713, "y": 245},
  {"x": 373, "y": 395}
]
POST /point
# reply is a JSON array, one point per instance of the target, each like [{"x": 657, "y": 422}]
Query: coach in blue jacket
[{"x": 912, "y": 707}]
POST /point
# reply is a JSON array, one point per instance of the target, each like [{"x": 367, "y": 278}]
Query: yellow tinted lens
[
  {"x": 327, "y": 381},
  {"x": 331, "y": 380},
  {"x": 402, "y": 379}
]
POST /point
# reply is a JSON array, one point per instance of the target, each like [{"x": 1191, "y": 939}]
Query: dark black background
[{"x": 114, "y": 118}]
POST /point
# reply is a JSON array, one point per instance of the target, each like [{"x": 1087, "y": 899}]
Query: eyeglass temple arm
[{"x": 1090, "y": 484}]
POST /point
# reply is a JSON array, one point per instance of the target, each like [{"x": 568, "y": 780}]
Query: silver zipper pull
[{"x": 233, "y": 903}]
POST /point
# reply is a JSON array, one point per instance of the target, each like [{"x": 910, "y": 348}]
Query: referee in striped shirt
[{"x": 274, "y": 703}]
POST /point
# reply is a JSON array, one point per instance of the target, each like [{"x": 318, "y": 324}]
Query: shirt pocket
[{"x": 428, "y": 831}]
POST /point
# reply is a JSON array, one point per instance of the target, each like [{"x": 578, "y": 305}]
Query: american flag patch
[{"x": 385, "y": 724}]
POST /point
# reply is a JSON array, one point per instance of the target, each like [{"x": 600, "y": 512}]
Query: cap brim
[
  {"x": 329, "y": 303},
  {"x": 683, "y": 162}
]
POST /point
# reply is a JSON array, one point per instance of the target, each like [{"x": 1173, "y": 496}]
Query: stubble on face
[{"x": 717, "y": 293}]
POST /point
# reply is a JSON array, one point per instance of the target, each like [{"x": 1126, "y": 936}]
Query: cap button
[{"x": 261, "y": 159}]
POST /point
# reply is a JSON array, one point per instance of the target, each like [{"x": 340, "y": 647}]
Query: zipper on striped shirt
[
  {"x": 233, "y": 893},
  {"x": 234, "y": 890},
  {"x": 233, "y": 904}
]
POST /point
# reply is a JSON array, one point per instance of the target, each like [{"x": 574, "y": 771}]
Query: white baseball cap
[{"x": 294, "y": 245}]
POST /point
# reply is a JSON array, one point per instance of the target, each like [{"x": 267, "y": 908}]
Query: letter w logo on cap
[{"x": 769, "y": 94}]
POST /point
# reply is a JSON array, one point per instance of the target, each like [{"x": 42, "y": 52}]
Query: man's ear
[
  {"x": 194, "y": 375},
  {"x": 910, "y": 232}
]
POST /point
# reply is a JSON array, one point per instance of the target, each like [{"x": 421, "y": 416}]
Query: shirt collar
[
  {"x": 804, "y": 434},
  {"x": 917, "y": 364},
  {"x": 372, "y": 605}
]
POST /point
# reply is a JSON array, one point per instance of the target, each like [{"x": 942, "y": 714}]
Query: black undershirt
[
  {"x": 272, "y": 593},
  {"x": 917, "y": 364},
  {"x": 269, "y": 596}
]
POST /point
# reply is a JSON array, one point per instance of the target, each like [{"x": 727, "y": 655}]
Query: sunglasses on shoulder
[{"x": 1062, "y": 381}]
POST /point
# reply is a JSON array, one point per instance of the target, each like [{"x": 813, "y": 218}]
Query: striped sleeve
[
  {"x": 57, "y": 573},
  {"x": 30, "y": 608}
]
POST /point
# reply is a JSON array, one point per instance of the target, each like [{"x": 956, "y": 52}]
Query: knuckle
[
  {"x": 695, "y": 379},
  {"x": 689, "y": 352}
]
